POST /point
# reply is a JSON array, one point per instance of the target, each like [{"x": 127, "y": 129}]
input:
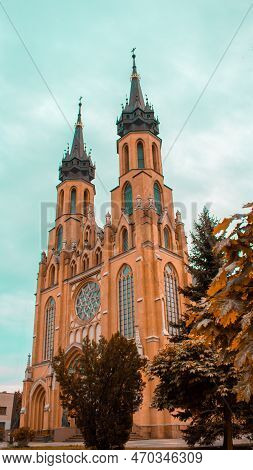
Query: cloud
[{"x": 212, "y": 166}]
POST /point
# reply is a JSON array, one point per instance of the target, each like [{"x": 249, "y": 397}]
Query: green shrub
[{"x": 22, "y": 435}]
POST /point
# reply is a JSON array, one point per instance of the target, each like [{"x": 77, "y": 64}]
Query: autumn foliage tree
[
  {"x": 102, "y": 389},
  {"x": 197, "y": 382},
  {"x": 226, "y": 322}
]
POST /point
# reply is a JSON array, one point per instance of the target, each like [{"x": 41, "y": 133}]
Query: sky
[{"x": 53, "y": 52}]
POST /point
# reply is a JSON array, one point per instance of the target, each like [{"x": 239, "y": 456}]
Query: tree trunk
[{"x": 228, "y": 435}]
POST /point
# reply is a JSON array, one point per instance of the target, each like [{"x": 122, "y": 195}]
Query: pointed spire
[
  {"x": 136, "y": 98},
  {"x": 136, "y": 115},
  {"x": 77, "y": 148},
  {"x": 29, "y": 360},
  {"x": 77, "y": 164}
]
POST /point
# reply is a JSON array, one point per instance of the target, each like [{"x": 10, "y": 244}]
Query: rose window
[{"x": 88, "y": 301}]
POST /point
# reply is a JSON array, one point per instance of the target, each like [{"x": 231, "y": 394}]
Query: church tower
[{"x": 122, "y": 277}]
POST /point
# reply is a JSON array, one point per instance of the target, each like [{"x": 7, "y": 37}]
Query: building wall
[{"x": 6, "y": 401}]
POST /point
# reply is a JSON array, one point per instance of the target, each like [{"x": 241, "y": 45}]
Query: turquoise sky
[{"x": 83, "y": 48}]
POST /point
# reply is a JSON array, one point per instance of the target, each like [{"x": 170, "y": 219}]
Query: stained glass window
[
  {"x": 73, "y": 202},
  {"x": 128, "y": 199},
  {"x": 49, "y": 330},
  {"x": 157, "y": 198},
  {"x": 172, "y": 301},
  {"x": 88, "y": 301},
  {"x": 59, "y": 239},
  {"x": 126, "y": 302},
  {"x": 140, "y": 155}
]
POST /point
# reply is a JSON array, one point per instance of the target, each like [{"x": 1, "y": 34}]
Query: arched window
[
  {"x": 126, "y": 302},
  {"x": 49, "y": 330},
  {"x": 124, "y": 239},
  {"x": 86, "y": 201},
  {"x": 155, "y": 158},
  {"x": 59, "y": 239},
  {"x": 52, "y": 276},
  {"x": 140, "y": 155},
  {"x": 125, "y": 159},
  {"x": 73, "y": 269},
  {"x": 98, "y": 256},
  {"x": 61, "y": 203},
  {"x": 171, "y": 297},
  {"x": 73, "y": 201},
  {"x": 167, "y": 238},
  {"x": 128, "y": 199},
  {"x": 157, "y": 198},
  {"x": 85, "y": 262}
]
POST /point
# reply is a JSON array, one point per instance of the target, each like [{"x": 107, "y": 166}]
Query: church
[{"x": 123, "y": 276}]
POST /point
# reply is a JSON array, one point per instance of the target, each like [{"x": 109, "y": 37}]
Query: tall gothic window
[
  {"x": 124, "y": 239},
  {"x": 59, "y": 239},
  {"x": 140, "y": 155},
  {"x": 172, "y": 300},
  {"x": 155, "y": 157},
  {"x": 73, "y": 201},
  {"x": 128, "y": 199},
  {"x": 157, "y": 198},
  {"x": 49, "y": 330},
  {"x": 126, "y": 302},
  {"x": 125, "y": 159}
]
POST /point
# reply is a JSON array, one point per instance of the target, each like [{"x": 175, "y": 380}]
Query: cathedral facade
[{"x": 123, "y": 277}]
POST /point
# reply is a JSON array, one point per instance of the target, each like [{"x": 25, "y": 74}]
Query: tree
[
  {"x": 204, "y": 263},
  {"x": 226, "y": 321},
  {"x": 203, "y": 266},
  {"x": 102, "y": 389},
  {"x": 215, "y": 411},
  {"x": 195, "y": 386},
  {"x": 16, "y": 408}
]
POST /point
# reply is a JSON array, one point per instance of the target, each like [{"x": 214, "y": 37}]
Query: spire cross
[
  {"x": 79, "y": 119},
  {"x": 133, "y": 56}
]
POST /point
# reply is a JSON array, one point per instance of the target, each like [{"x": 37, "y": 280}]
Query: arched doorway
[
  {"x": 38, "y": 405},
  {"x": 72, "y": 354}
]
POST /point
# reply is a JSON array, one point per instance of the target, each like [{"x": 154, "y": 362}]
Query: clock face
[{"x": 88, "y": 301}]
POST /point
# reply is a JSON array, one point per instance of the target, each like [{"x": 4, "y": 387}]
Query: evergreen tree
[
  {"x": 102, "y": 389},
  {"x": 204, "y": 263},
  {"x": 203, "y": 266}
]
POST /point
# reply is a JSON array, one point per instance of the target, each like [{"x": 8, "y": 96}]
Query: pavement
[{"x": 161, "y": 444}]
